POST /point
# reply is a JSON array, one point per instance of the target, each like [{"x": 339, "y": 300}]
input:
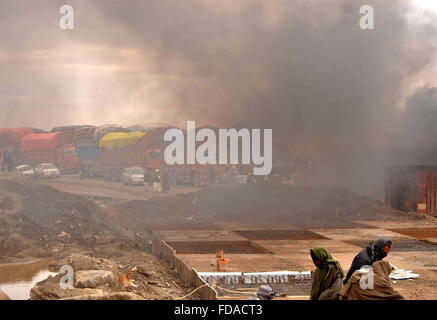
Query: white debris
[
  {"x": 275, "y": 276},
  {"x": 221, "y": 277},
  {"x": 399, "y": 274},
  {"x": 255, "y": 277}
]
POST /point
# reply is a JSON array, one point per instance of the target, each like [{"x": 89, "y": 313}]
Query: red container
[
  {"x": 412, "y": 188},
  {"x": 11, "y": 138}
]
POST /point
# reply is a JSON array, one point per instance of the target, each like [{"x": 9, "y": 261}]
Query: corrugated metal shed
[{"x": 412, "y": 188}]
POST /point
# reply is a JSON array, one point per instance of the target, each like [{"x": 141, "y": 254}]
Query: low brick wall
[{"x": 188, "y": 276}]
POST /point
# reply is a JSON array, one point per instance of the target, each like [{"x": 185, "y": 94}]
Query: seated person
[
  {"x": 375, "y": 251},
  {"x": 378, "y": 288},
  {"x": 328, "y": 276}
]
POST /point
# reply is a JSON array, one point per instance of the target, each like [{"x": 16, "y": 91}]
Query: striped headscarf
[{"x": 377, "y": 249}]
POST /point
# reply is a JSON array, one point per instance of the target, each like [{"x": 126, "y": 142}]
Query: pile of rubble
[
  {"x": 94, "y": 279},
  {"x": 101, "y": 279},
  {"x": 37, "y": 220}
]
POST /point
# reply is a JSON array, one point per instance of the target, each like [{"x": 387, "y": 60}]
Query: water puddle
[{"x": 16, "y": 280}]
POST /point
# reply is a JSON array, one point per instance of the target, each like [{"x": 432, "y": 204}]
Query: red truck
[
  {"x": 10, "y": 141},
  {"x": 53, "y": 147},
  {"x": 153, "y": 145}
]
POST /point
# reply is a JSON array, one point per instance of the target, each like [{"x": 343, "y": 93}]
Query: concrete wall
[{"x": 188, "y": 276}]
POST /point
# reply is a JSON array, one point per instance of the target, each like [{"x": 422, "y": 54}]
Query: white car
[
  {"x": 232, "y": 176},
  {"x": 133, "y": 176},
  {"x": 25, "y": 170},
  {"x": 47, "y": 170}
]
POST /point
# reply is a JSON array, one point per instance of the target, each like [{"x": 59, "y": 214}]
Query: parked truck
[
  {"x": 10, "y": 142},
  {"x": 53, "y": 147},
  {"x": 86, "y": 140},
  {"x": 88, "y": 152},
  {"x": 118, "y": 151},
  {"x": 105, "y": 151},
  {"x": 154, "y": 145}
]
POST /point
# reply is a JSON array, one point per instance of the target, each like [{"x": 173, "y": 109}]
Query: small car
[
  {"x": 47, "y": 170},
  {"x": 25, "y": 170},
  {"x": 133, "y": 176}
]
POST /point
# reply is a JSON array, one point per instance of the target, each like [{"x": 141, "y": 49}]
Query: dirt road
[{"x": 101, "y": 188}]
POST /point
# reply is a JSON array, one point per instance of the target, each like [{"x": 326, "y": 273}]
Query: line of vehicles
[
  {"x": 43, "y": 170},
  {"x": 132, "y": 155},
  {"x": 112, "y": 152},
  {"x": 34, "y": 147},
  {"x": 116, "y": 154}
]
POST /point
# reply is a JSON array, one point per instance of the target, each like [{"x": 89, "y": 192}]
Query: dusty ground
[
  {"x": 101, "y": 188},
  {"x": 38, "y": 221},
  {"x": 57, "y": 217},
  {"x": 292, "y": 253}
]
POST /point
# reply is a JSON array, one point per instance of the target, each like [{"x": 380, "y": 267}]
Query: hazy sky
[{"x": 139, "y": 61}]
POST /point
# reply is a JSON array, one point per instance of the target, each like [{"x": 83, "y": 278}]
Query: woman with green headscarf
[{"x": 328, "y": 276}]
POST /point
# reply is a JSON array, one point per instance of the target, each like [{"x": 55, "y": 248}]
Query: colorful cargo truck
[
  {"x": 88, "y": 152},
  {"x": 86, "y": 140},
  {"x": 54, "y": 147},
  {"x": 119, "y": 150}
]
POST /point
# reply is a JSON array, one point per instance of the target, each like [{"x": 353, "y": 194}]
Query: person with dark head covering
[
  {"x": 375, "y": 251},
  {"x": 377, "y": 288},
  {"x": 265, "y": 292},
  {"x": 328, "y": 276}
]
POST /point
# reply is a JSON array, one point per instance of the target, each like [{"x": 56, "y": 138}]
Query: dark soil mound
[
  {"x": 316, "y": 206},
  {"x": 264, "y": 202},
  {"x": 39, "y": 215}
]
